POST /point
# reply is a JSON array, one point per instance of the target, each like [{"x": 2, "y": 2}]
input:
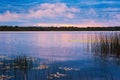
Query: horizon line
[{"x": 56, "y": 26}]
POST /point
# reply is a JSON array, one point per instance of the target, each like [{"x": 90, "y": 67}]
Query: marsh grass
[
  {"x": 106, "y": 45},
  {"x": 13, "y": 66}
]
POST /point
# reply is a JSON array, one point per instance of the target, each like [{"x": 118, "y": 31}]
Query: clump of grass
[
  {"x": 11, "y": 66},
  {"x": 22, "y": 63},
  {"x": 106, "y": 45}
]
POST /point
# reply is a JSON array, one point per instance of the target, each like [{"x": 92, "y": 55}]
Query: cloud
[
  {"x": 8, "y": 16},
  {"x": 117, "y": 16},
  {"x": 85, "y": 23},
  {"x": 111, "y": 9},
  {"x": 92, "y": 13},
  {"x": 55, "y": 24},
  {"x": 99, "y": 2},
  {"x": 52, "y": 11},
  {"x": 45, "y": 10},
  {"x": 60, "y": 14}
]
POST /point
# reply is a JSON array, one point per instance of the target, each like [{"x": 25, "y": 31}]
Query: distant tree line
[{"x": 63, "y": 28}]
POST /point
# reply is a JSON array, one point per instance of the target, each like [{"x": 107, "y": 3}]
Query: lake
[{"x": 59, "y": 55}]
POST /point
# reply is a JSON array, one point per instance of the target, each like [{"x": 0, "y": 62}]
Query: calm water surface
[{"x": 54, "y": 56}]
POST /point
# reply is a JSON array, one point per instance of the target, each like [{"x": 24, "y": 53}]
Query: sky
[{"x": 79, "y": 13}]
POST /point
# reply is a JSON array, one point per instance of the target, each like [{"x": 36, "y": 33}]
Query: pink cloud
[
  {"x": 56, "y": 11},
  {"x": 53, "y": 10},
  {"x": 86, "y": 23},
  {"x": 8, "y": 16},
  {"x": 44, "y": 10}
]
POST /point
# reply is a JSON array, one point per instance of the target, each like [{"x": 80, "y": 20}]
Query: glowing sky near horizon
[{"x": 60, "y": 12}]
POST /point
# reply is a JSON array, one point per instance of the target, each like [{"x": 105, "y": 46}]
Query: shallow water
[{"x": 54, "y": 56}]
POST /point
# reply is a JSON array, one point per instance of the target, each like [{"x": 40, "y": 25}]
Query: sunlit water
[{"x": 59, "y": 56}]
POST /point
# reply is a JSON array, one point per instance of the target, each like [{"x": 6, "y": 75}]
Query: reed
[{"x": 106, "y": 45}]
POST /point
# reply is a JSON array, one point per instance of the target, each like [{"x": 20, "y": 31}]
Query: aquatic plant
[{"x": 106, "y": 45}]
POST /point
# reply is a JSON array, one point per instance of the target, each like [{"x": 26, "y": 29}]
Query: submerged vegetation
[
  {"x": 10, "y": 67},
  {"x": 26, "y": 68},
  {"x": 62, "y": 28}
]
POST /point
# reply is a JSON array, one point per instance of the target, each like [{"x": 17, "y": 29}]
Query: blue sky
[{"x": 60, "y": 12}]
